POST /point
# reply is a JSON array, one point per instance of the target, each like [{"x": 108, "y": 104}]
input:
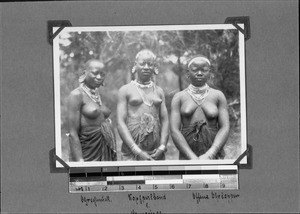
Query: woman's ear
[
  {"x": 187, "y": 74},
  {"x": 82, "y": 77},
  {"x": 133, "y": 70}
]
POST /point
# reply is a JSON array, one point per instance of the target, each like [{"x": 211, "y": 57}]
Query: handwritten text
[
  {"x": 214, "y": 196},
  {"x": 141, "y": 199},
  {"x": 94, "y": 200}
]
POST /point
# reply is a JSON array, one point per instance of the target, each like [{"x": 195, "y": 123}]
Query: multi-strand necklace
[
  {"x": 144, "y": 85},
  {"x": 93, "y": 94},
  {"x": 198, "y": 94},
  {"x": 143, "y": 95}
]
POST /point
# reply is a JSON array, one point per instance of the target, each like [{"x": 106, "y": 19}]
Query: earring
[
  {"x": 133, "y": 69},
  {"x": 82, "y": 78},
  {"x": 155, "y": 71}
]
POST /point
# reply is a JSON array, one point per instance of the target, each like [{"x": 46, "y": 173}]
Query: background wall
[{"x": 272, "y": 69}]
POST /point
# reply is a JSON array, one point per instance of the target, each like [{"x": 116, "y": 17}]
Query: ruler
[{"x": 193, "y": 178}]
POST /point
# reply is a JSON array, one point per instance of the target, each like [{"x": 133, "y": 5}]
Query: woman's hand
[
  {"x": 205, "y": 156},
  {"x": 145, "y": 156},
  {"x": 157, "y": 154}
]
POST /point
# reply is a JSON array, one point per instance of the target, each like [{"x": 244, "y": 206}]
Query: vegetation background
[{"x": 117, "y": 49}]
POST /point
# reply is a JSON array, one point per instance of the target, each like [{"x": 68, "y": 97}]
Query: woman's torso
[
  {"x": 194, "y": 118},
  {"x": 136, "y": 106},
  {"x": 92, "y": 114},
  {"x": 191, "y": 112}
]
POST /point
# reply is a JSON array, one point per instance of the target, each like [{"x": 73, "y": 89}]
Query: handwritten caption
[
  {"x": 94, "y": 200},
  {"x": 218, "y": 196},
  {"x": 146, "y": 212},
  {"x": 145, "y": 200}
]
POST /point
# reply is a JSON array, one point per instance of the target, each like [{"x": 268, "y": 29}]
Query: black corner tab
[
  {"x": 240, "y": 20},
  {"x": 56, "y": 23},
  {"x": 52, "y": 161},
  {"x": 62, "y": 162},
  {"x": 248, "y": 153}
]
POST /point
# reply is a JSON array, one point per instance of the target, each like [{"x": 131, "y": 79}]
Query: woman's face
[
  {"x": 95, "y": 74},
  {"x": 199, "y": 72},
  {"x": 144, "y": 66}
]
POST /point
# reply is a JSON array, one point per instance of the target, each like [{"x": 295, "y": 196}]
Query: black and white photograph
[
  {"x": 149, "y": 95},
  {"x": 149, "y": 106}
]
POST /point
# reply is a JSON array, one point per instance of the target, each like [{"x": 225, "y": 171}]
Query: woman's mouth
[
  {"x": 98, "y": 82},
  {"x": 146, "y": 72}
]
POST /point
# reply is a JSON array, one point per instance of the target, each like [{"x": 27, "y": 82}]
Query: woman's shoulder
[
  {"x": 179, "y": 95},
  {"x": 76, "y": 93},
  {"x": 215, "y": 90},
  {"x": 217, "y": 93},
  {"x": 125, "y": 88},
  {"x": 159, "y": 90}
]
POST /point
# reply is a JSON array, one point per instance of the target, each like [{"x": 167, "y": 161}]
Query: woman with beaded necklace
[
  {"x": 199, "y": 117},
  {"x": 142, "y": 114},
  {"x": 90, "y": 134}
]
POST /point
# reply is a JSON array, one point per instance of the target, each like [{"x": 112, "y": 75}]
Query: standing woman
[
  {"x": 142, "y": 114},
  {"x": 90, "y": 133},
  {"x": 199, "y": 116}
]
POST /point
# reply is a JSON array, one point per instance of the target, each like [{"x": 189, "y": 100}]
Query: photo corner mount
[
  {"x": 240, "y": 20},
  {"x": 56, "y": 23}
]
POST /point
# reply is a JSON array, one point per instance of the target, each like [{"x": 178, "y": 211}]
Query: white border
[{"x": 56, "y": 67}]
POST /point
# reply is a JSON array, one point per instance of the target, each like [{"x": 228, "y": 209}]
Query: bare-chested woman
[
  {"x": 141, "y": 113},
  {"x": 199, "y": 117},
  {"x": 90, "y": 132}
]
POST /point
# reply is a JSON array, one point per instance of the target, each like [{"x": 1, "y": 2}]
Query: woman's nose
[
  {"x": 98, "y": 76},
  {"x": 146, "y": 66},
  {"x": 199, "y": 72}
]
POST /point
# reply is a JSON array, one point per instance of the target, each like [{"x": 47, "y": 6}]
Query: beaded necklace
[
  {"x": 198, "y": 94},
  {"x": 142, "y": 93},
  {"x": 93, "y": 94},
  {"x": 146, "y": 85}
]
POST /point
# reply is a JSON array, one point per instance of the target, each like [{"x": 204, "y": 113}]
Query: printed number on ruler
[{"x": 82, "y": 188}]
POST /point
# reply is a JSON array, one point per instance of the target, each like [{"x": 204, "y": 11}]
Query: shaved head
[
  {"x": 145, "y": 53},
  {"x": 94, "y": 63}
]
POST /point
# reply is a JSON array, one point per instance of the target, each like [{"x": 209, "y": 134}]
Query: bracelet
[
  {"x": 212, "y": 152},
  {"x": 135, "y": 149},
  {"x": 162, "y": 147},
  {"x": 108, "y": 120}
]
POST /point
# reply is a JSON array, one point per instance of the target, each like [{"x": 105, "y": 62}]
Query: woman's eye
[
  {"x": 145, "y": 63},
  {"x": 202, "y": 70}
]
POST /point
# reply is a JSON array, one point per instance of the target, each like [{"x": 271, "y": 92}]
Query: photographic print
[{"x": 149, "y": 95}]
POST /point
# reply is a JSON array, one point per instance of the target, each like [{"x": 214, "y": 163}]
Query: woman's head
[
  {"x": 94, "y": 73},
  {"x": 198, "y": 70},
  {"x": 145, "y": 65}
]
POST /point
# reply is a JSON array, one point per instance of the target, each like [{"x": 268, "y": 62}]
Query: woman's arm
[
  {"x": 74, "y": 107},
  {"x": 224, "y": 126},
  {"x": 122, "y": 127},
  {"x": 175, "y": 123},
  {"x": 164, "y": 121}
]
